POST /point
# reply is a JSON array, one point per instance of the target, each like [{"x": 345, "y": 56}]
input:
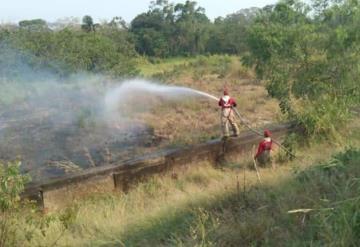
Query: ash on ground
[{"x": 65, "y": 133}]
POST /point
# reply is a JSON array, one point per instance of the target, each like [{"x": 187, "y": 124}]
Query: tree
[
  {"x": 152, "y": 30},
  {"x": 310, "y": 62},
  {"x": 228, "y": 35},
  {"x": 88, "y": 24},
  {"x": 110, "y": 51},
  {"x": 168, "y": 30},
  {"x": 191, "y": 27},
  {"x": 118, "y": 22}
]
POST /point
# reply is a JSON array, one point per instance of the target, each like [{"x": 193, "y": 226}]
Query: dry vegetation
[
  {"x": 60, "y": 131},
  {"x": 201, "y": 205},
  {"x": 197, "y": 120},
  {"x": 205, "y": 206}
]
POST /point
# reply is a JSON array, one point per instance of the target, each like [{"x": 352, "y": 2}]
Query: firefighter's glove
[{"x": 234, "y": 105}]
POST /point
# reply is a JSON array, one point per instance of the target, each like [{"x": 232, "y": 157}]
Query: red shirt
[
  {"x": 226, "y": 102},
  {"x": 265, "y": 144}
]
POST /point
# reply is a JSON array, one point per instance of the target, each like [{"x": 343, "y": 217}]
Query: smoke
[
  {"x": 56, "y": 124},
  {"x": 59, "y": 124},
  {"x": 47, "y": 121}
]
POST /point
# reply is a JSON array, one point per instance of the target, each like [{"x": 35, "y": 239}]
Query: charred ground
[{"x": 60, "y": 127}]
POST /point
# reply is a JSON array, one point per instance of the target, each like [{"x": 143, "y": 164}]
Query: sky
[{"x": 52, "y": 10}]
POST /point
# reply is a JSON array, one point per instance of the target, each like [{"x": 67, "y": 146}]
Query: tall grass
[{"x": 207, "y": 206}]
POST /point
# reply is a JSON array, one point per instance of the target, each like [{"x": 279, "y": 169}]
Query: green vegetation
[
  {"x": 313, "y": 200},
  {"x": 307, "y": 54},
  {"x": 184, "y": 30},
  {"x": 319, "y": 207},
  {"x": 21, "y": 221},
  {"x": 309, "y": 57},
  {"x": 323, "y": 214},
  {"x": 11, "y": 185},
  {"x": 66, "y": 51},
  {"x": 166, "y": 30},
  {"x": 198, "y": 67}
]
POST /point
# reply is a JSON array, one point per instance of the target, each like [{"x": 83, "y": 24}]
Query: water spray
[
  {"x": 125, "y": 92},
  {"x": 120, "y": 94}
]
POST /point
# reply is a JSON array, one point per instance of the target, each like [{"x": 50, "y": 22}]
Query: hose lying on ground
[{"x": 242, "y": 120}]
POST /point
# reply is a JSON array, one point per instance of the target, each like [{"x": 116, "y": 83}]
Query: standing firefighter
[
  {"x": 263, "y": 153},
  {"x": 227, "y": 114}
]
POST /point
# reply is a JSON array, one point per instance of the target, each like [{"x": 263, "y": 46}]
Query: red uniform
[
  {"x": 227, "y": 115},
  {"x": 264, "y": 145},
  {"x": 227, "y": 102}
]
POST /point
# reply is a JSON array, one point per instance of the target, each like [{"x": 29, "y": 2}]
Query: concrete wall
[{"x": 58, "y": 193}]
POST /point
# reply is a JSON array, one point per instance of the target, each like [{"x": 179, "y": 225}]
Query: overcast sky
[{"x": 51, "y": 10}]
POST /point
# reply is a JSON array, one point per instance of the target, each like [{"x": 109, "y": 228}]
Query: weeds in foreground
[
  {"x": 21, "y": 221},
  {"x": 203, "y": 206},
  {"x": 320, "y": 207}
]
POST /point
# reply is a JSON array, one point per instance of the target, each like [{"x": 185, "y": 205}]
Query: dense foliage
[
  {"x": 21, "y": 221},
  {"x": 307, "y": 53},
  {"x": 184, "y": 29},
  {"x": 111, "y": 47},
  {"x": 309, "y": 56},
  {"x": 107, "y": 48}
]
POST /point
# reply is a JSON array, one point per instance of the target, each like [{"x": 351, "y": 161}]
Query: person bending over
[{"x": 263, "y": 155}]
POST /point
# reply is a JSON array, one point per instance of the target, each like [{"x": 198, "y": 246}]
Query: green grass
[
  {"x": 148, "y": 69},
  {"x": 260, "y": 216},
  {"x": 206, "y": 206},
  {"x": 197, "y": 66}
]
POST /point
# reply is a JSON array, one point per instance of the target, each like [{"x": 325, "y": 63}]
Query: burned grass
[{"x": 58, "y": 128}]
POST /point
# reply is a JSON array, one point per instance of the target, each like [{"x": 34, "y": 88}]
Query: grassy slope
[{"x": 205, "y": 206}]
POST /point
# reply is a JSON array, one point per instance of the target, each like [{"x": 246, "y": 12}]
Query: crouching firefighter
[
  {"x": 263, "y": 155},
  {"x": 227, "y": 115}
]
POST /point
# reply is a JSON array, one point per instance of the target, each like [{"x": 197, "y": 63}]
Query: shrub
[
  {"x": 11, "y": 185},
  {"x": 21, "y": 221},
  {"x": 310, "y": 63}
]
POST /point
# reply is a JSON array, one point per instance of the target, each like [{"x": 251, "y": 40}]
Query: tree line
[
  {"x": 165, "y": 30},
  {"x": 184, "y": 29},
  {"x": 307, "y": 53}
]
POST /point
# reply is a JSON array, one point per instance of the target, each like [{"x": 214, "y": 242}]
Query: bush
[
  {"x": 11, "y": 185},
  {"x": 290, "y": 143},
  {"x": 336, "y": 219},
  {"x": 21, "y": 221},
  {"x": 310, "y": 62}
]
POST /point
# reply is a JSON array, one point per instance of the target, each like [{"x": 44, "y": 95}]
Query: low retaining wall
[{"x": 58, "y": 193}]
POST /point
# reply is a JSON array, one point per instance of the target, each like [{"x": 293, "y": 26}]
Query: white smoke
[{"x": 85, "y": 119}]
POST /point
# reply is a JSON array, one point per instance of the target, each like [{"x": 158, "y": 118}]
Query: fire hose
[{"x": 243, "y": 121}]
